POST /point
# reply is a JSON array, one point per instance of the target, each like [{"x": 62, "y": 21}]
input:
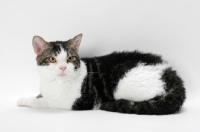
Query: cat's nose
[{"x": 63, "y": 68}]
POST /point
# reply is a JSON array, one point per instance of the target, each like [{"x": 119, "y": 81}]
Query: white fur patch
[
  {"x": 58, "y": 91},
  {"x": 141, "y": 83},
  {"x": 61, "y": 92}
]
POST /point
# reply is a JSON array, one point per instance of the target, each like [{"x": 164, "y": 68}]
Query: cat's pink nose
[{"x": 63, "y": 68}]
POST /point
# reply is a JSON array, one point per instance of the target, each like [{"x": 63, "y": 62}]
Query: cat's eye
[
  {"x": 52, "y": 59},
  {"x": 70, "y": 59}
]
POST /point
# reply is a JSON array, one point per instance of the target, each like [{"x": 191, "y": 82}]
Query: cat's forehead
[
  {"x": 59, "y": 50},
  {"x": 62, "y": 47},
  {"x": 58, "y": 46}
]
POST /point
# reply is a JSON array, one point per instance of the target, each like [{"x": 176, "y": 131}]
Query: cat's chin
[{"x": 62, "y": 75}]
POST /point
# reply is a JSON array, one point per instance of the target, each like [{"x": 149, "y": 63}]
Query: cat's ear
[
  {"x": 39, "y": 44},
  {"x": 75, "y": 42}
]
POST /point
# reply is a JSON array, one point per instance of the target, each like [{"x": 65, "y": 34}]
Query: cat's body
[{"x": 127, "y": 82}]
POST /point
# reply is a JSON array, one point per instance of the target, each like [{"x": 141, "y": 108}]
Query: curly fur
[{"x": 125, "y": 82}]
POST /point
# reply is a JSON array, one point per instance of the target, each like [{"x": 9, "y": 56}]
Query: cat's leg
[{"x": 34, "y": 102}]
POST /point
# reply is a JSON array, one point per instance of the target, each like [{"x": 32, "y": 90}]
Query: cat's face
[{"x": 58, "y": 59}]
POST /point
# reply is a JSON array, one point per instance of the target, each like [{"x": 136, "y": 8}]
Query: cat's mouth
[{"x": 62, "y": 75}]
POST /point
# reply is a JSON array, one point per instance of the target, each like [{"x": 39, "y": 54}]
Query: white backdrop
[{"x": 170, "y": 28}]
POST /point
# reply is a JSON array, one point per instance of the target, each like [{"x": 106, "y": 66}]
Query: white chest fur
[
  {"x": 63, "y": 92},
  {"x": 141, "y": 83}
]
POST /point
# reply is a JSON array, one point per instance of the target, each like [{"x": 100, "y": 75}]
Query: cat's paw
[{"x": 25, "y": 102}]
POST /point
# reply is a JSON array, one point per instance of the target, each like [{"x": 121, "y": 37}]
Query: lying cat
[{"x": 126, "y": 82}]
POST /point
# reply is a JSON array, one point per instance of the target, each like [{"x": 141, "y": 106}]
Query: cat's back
[
  {"x": 116, "y": 58},
  {"x": 119, "y": 72}
]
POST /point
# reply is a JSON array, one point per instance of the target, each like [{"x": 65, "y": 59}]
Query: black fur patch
[
  {"x": 167, "y": 104},
  {"x": 104, "y": 74}
]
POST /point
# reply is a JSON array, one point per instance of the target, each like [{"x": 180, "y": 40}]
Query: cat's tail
[{"x": 169, "y": 103}]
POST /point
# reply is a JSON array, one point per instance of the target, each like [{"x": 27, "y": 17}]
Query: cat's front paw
[{"x": 25, "y": 102}]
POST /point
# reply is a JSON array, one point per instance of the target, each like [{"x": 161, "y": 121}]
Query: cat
[{"x": 125, "y": 82}]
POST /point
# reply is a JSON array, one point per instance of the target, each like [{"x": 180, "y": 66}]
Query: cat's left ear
[{"x": 75, "y": 42}]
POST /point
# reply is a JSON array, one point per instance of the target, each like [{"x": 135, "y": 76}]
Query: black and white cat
[{"x": 126, "y": 82}]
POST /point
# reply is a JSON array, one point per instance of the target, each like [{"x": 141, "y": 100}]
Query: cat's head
[{"x": 57, "y": 59}]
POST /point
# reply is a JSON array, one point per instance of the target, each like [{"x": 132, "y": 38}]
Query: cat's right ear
[{"x": 39, "y": 44}]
